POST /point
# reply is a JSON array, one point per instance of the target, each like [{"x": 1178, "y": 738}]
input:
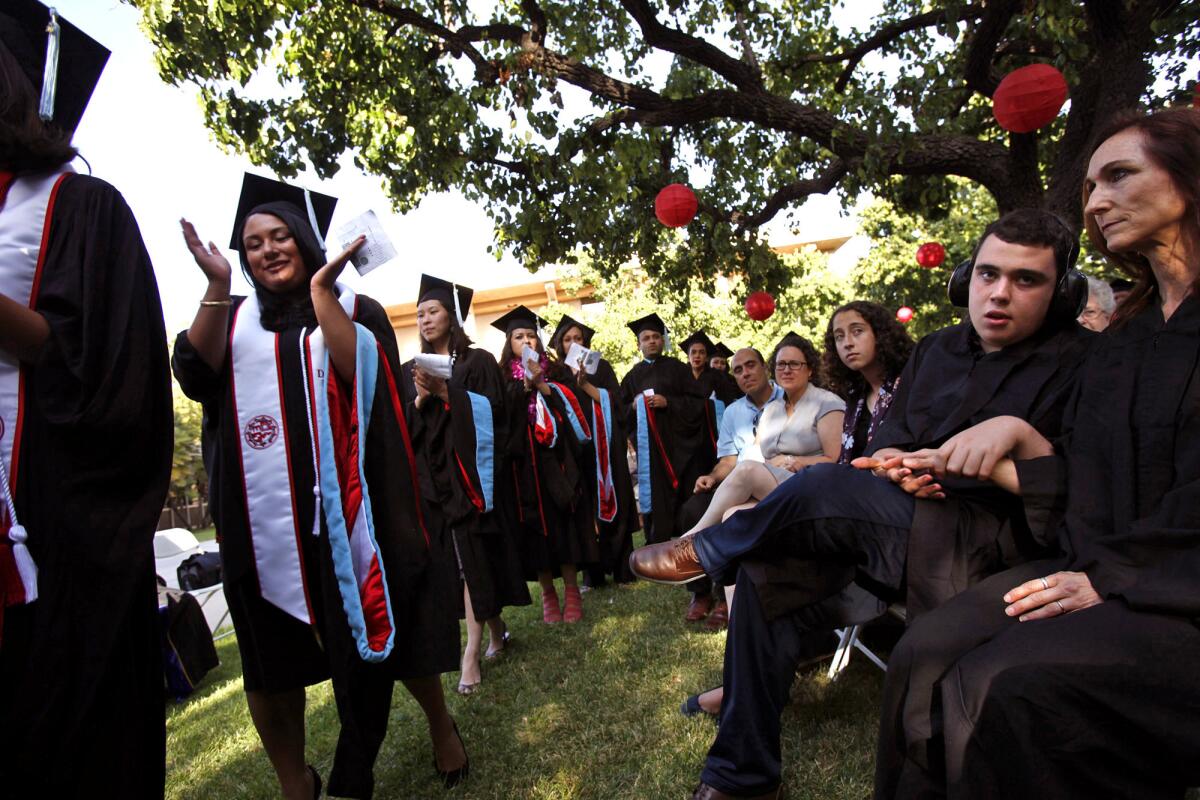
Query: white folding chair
[{"x": 848, "y": 642}]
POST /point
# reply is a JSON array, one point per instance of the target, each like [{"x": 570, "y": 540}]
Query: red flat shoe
[
  {"x": 573, "y": 612},
  {"x": 551, "y": 613}
]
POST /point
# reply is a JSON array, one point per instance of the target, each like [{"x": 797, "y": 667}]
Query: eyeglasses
[{"x": 789, "y": 366}]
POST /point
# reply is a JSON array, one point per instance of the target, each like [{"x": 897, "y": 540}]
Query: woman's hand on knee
[{"x": 1051, "y": 596}]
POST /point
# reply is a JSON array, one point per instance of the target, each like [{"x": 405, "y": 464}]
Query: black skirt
[{"x": 279, "y": 652}]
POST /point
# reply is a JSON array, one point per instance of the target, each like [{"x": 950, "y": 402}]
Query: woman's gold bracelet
[{"x": 216, "y": 303}]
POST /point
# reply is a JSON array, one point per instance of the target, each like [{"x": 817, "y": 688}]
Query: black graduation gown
[
  {"x": 280, "y": 652},
  {"x": 1102, "y": 701},
  {"x": 616, "y": 536},
  {"x": 553, "y": 512},
  {"x": 681, "y": 427},
  {"x": 718, "y": 387},
  {"x": 478, "y": 538},
  {"x": 81, "y": 679},
  {"x": 947, "y": 386}
]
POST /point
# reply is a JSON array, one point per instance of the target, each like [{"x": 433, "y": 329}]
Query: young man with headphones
[{"x": 894, "y": 531}]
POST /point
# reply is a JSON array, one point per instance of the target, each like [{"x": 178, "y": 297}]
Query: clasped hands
[{"x": 984, "y": 452}]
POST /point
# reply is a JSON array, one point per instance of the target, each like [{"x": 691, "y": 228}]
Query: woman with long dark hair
[
  {"x": 549, "y": 428},
  {"x": 327, "y": 562},
  {"x": 461, "y": 434},
  {"x": 604, "y": 465},
  {"x": 865, "y": 351},
  {"x": 85, "y": 444},
  {"x": 1076, "y": 676}
]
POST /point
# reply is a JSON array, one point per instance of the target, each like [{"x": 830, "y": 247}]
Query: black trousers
[
  {"x": 761, "y": 659},
  {"x": 1101, "y": 702}
]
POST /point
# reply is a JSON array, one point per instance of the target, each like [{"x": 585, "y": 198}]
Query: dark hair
[
  {"x": 557, "y": 345},
  {"x": 506, "y": 352},
  {"x": 1172, "y": 142},
  {"x": 810, "y": 355},
  {"x": 281, "y": 312},
  {"x": 892, "y": 348},
  {"x": 1035, "y": 228},
  {"x": 459, "y": 341},
  {"x": 27, "y": 143}
]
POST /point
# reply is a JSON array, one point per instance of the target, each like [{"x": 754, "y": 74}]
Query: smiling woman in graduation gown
[
  {"x": 326, "y": 556},
  {"x": 85, "y": 422}
]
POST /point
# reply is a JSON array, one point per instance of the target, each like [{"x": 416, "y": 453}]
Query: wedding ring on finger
[
  {"x": 1045, "y": 583},
  {"x": 1061, "y": 609}
]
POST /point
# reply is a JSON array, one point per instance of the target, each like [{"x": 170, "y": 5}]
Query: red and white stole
[
  {"x": 26, "y": 208},
  {"x": 267, "y": 455}
]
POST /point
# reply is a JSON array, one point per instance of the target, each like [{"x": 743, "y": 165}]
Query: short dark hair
[
  {"x": 1035, "y": 227},
  {"x": 810, "y": 355}
]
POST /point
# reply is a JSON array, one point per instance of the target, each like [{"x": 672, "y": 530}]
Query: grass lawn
[{"x": 572, "y": 711}]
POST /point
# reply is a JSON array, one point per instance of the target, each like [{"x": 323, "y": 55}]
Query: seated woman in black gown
[{"x": 1076, "y": 677}]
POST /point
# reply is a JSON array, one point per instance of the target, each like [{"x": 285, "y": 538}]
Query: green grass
[
  {"x": 205, "y": 534},
  {"x": 572, "y": 711}
]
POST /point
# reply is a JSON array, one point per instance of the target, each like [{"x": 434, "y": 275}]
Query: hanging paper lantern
[
  {"x": 904, "y": 315},
  {"x": 759, "y": 306},
  {"x": 675, "y": 205},
  {"x": 1029, "y": 98},
  {"x": 931, "y": 254},
  {"x": 1196, "y": 96}
]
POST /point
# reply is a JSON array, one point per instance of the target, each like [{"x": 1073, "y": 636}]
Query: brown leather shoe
[
  {"x": 718, "y": 620},
  {"x": 706, "y": 792},
  {"x": 699, "y": 607},
  {"x": 666, "y": 562}
]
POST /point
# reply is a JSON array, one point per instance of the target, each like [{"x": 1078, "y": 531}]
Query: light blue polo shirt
[{"x": 737, "y": 424}]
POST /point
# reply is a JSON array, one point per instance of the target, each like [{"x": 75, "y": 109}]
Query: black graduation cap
[
  {"x": 699, "y": 337},
  {"x": 719, "y": 349},
  {"x": 25, "y": 30},
  {"x": 519, "y": 317},
  {"x": 651, "y": 322},
  {"x": 567, "y": 322},
  {"x": 257, "y": 190},
  {"x": 433, "y": 288}
]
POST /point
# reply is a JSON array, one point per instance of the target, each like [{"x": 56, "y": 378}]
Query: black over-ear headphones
[{"x": 1070, "y": 295}]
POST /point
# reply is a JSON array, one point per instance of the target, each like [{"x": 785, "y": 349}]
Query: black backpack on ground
[{"x": 199, "y": 571}]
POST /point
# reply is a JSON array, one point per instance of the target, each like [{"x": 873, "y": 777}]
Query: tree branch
[
  {"x": 742, "y": 75},
  {"x": 980, "y": 75},
  {"x": 826, "y": 182},
  {"x": 885, "y": 35}
]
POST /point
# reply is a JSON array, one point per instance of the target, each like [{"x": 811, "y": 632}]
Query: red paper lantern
[
  {"x": 1029, "y": 98},
  {"x": 904, "y": 315},
  {"x": 759, "y": 306},
  {"x": 675, "y": 205},
  {"x": 931, "y": 254}
]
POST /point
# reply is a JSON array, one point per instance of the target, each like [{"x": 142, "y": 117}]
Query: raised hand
[
  {"x": 325, "y": 277},
  {"x": 214, "y": 265}
]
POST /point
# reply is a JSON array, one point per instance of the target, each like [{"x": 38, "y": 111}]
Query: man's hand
[
  {"x": 1060, "y": 593},
  {"x": 705, "y": 483}
]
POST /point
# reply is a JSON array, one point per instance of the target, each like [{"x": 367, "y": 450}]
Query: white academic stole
[{"x": 24, "y": 233}]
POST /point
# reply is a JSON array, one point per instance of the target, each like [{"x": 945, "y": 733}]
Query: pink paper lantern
[{"x": 904, "y": 315}]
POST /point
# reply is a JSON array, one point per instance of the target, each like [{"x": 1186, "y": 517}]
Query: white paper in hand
[
  {"x": 376, "y": 250},
  {"x": 436, "y": 365},
  {"x": 528, "y": 354},
  {"x": 579, "y": 357}
]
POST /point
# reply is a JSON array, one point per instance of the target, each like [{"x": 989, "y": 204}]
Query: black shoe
[
  {"x": 454, "y": 777},
  {"x": 317, "y": 785},
  {"x": 691, "y": 707}
]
